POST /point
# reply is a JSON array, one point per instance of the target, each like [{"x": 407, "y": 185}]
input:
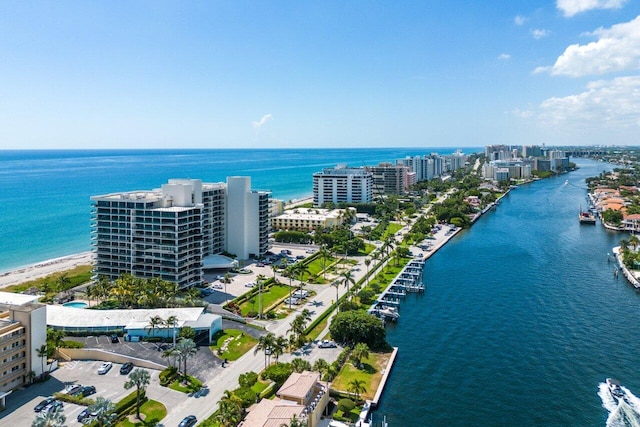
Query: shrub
[
  {"x": 72, "y": 344},
  {"x": 278, "y": 373},
  {"x": 346, "y": 405},
  {"x": 366, "y": 296},
  {"x": 248, "y": 380},
  {"x": 129, "y": 402},
  {"x": 247, "y": 395},
  {"x": 167, "y": 376}
]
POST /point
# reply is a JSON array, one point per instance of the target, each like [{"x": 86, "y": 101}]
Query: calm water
[
  {"x": 521, "y": 321},
  {"x": 44, "y": 195}
]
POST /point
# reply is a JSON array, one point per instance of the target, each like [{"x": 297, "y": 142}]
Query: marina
[{"x": 409, "y": 280}]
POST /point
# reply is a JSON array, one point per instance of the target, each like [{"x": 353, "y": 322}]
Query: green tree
[
  {"x": 139, "y": 379},
  {"x": 347, "y": 278},
  {"x": 359, "y": 353},
  {"x": 42, "y": 353},
  {"x": 352, "y": 327},
  {"x": 52, "y": 418},
  {"x": 229, "y": 412},
  {"x": 185, "y": 349},
  {"x": 155, "y": 323},
  {"x": 299, "y": 365},
  {"x": 356, "y": 386},
  {"x": 265, "y": 344},
  {"x": 105, "y": 411}
]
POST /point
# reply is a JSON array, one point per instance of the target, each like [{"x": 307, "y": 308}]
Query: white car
[
  {"x": 250, "y": 285},
  {"x": 327, "y": 344},
  {"x": 217, "y": 286},
  {"x": 104, "y": 368}
]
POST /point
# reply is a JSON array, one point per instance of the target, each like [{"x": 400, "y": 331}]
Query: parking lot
[{"x": 20, "y": 403}]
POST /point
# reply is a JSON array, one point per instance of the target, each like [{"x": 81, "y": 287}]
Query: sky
[{"x": 296, "y": 74}]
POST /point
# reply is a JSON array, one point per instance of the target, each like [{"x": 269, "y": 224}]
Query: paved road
[{"x": 206, "y": 366}]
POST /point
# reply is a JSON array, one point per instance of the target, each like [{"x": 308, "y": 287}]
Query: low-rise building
[
  {"x": 308, "y": 219},
  {"x": 303, "y": 395},
  {"x": 23, "y": 331}
]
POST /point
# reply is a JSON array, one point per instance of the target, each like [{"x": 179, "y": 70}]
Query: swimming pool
[{"x": 75, "y": 304}]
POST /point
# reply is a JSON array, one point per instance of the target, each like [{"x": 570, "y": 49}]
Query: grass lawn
[
  {"x": 238, "y": 343},
  {"x": 76, "y": 276},
  {"x": 371, "y": 374},
  {"x": 315, "y": 266},
  {"x": 153, "y": 412},
  {"x": 387, "y": 273},
  {"x": 391, "y": 230},
  {"x": 270, "y": 296},
  {"x": 368, "y": 248},
  {"x": 317, "y": 330},
  {"x": 259, "y": 387}
]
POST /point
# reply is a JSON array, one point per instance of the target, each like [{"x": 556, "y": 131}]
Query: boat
[
  {"x": 586, "y": 217},
  {"x": 615, "y": 388}
]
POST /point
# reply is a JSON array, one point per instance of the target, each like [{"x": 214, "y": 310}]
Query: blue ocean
[{"x": 44, "y": 197}]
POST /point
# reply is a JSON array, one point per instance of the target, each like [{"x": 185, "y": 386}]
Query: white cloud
[
  {"x": 262, "y": 121},
  {"x": 519, "y": 20},
  {"x": 504, "y": 56},
  {"x": 539, "y": 33},
  {"x": 523, "y": 114},
  {"x": 617, "y": 49},
  {"x": 570, "y": 8},
  {"x": 606, "y": 103}
]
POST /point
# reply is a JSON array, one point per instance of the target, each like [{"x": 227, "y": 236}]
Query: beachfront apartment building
[
  {"x": 388, "y": 178},
  {"x": 23, "y": 330},
  {"x": 168, "y": 232},
  {"x": 342, "y": 184},
  {"x": 425, "y": 168}
]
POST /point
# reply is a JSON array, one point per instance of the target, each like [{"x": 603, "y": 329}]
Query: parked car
[
  {"x": 205, "y": 292},
  {"x": 126, "y": 368},
  {"x": 72, "y": 389},
  {"x": 85, "y": 416},
  {"x": 53, "y": 406},
  {"x": 250, "y": 285},
  {"x": 217, "y": 286},
  {"x": 188, "y": 421},
  {"x": 114, "y": 338},
  {"x": 85, "y": 391},
  {"x": 300, "y": 257},
  {"x": 104, "y": 368},
  {"x": 327, "y": 344},
  {"x": 260, "y": 264},
  {"x": 46, "y": 402}
]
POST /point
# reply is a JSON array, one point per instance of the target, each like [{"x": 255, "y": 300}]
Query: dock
[{"x": 408, "y": 280}]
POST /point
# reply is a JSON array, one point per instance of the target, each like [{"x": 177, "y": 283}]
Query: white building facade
[
  {"x": 342, "y": 184},
  {"x": 167, "y": 232}
]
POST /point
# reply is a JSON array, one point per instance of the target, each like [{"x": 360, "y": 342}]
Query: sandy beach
[{"x": 44, "y": 268}]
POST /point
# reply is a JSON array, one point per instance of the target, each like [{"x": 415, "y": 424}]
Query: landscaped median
[{"x": 231, "y": 344}]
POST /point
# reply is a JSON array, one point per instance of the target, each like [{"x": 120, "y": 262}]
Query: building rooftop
[
  {"x": 71, "y": 317},
  {"x": 298, "y": 385},
  {"x": 10, "y": 298},
  {"x": 272, "y": 413}
]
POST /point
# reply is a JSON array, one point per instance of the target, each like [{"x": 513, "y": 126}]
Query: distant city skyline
[{"x": 251, "y": 74}]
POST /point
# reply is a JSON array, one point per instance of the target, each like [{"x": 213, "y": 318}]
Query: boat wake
[{"x": 622, "y": 413}]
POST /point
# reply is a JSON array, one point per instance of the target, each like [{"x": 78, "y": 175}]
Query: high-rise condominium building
[
  {"x": 342, "y": 184},
  {"x": 167, "y": 232}
]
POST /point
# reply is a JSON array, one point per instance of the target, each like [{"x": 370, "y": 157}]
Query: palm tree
[
  {"x": 298, "y": 364},
  {"x": 359, "y": 352},
  {"x": 139, "y": 379},
  {"x": 324, "y": 255},
  {"x": 185, "y": 349},
  {"x": 634, "y": 241},
  {"x": 265, "y": 343},
  {"x": 301, "y": 270},
  {"x": 347, "y": 278},
  {"x": 259, "y": 281},
  {"x": 155, "y": 322},
  {"x": 42, "y": 353},
  {"x": 229, "y": 412},
  {"x": 172, "y": 321},
  {"x": 321, "y": 366},
  {"x": 290, "y": 272},
  {"x": 280, "y": 344},
  {"x": 367, "y": 262},
  {"x": 624, "y": 244},
  {"x": 63, "y": 282},
  {"x": 52, "y": 418},
  {"x": 90, "y": 293},
  {"x": 356, "y": 387},
  {"x": 295, "y": 422},
  {"x": 105, "y": 411},
  {"x": 336, "y": 284}
]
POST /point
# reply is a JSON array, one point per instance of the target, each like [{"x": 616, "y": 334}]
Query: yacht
[
  {"x": 587, "y": 217},
  {"x": 615, "y": 389}
]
